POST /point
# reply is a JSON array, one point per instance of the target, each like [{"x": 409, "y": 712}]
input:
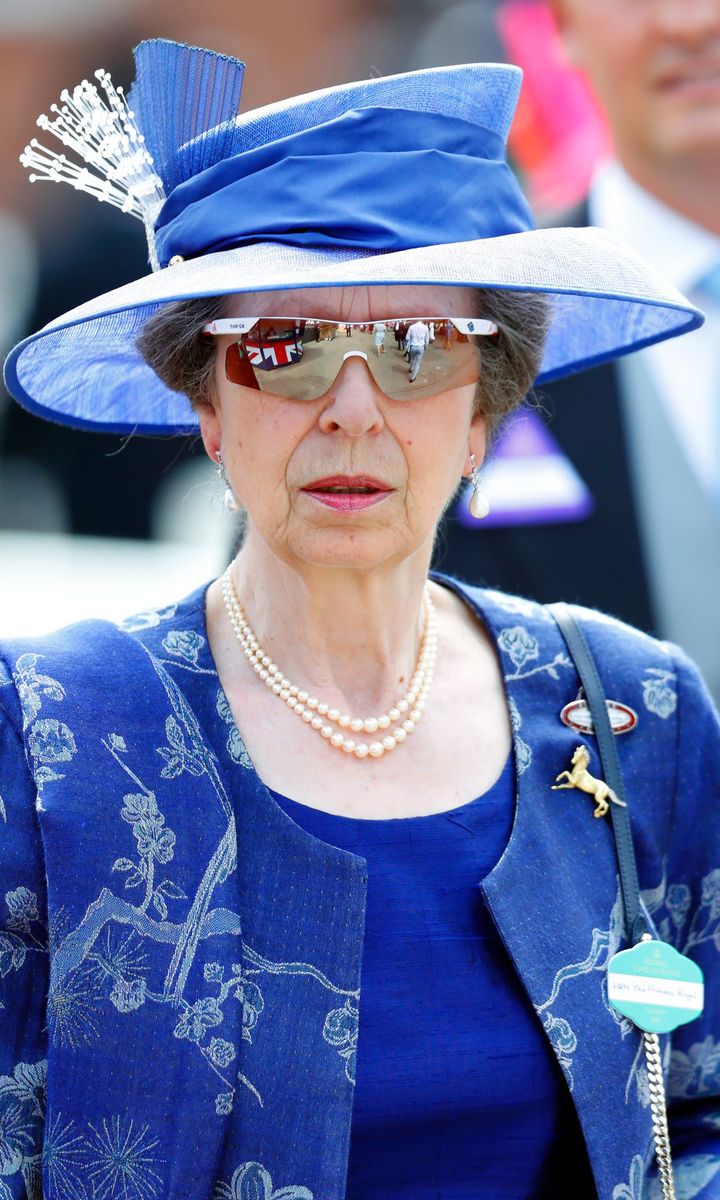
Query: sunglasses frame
[
  {"x": 240, "y": 327},
  {"x": 476, "y": 326}
]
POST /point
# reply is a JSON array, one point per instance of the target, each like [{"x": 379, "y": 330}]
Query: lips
[
  {"x": 698, "y": 74},
  {"x": 348, "y": 493}
]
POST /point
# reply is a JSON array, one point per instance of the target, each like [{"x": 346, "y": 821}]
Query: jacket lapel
[{"x": 554, "y": 895}]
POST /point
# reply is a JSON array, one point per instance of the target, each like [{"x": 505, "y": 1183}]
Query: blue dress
[{"x": 457, "y": 1090}]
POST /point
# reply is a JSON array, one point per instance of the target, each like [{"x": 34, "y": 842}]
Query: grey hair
[
  {"x": 511, "y": 360},
  {"x": 171, "y": 342}
]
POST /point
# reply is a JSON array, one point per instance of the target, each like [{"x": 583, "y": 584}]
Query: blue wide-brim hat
[{"x": 398, "y": 180}]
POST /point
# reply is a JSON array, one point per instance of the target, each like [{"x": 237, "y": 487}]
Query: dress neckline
[{"x": 289, "y": 805}]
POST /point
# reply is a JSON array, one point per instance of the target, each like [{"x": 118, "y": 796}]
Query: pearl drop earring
[
  {"x": 479, "y": 503},
  {"x": 231, "y": 504}
]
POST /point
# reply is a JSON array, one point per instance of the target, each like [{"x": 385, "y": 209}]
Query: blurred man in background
[{"x": 644, "y": 434}]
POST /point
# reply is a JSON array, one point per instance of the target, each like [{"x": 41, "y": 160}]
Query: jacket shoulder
[
  {"x": 657, "y": 675},
  {"x": 618, "y": 647},
  {"x": 616, "y": 637},
  {"x": 90, "y": 641},
  {"x": 92, "y": 658}
]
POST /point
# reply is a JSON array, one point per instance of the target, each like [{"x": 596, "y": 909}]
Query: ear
[{"x": 210, "y": 429}]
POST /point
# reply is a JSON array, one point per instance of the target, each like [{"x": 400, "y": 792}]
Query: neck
[
  {"x": 690, "y": 186},
  {"x": 351, "y": 637}
]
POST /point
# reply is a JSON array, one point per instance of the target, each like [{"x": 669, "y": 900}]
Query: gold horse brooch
[{"x": 580, "y": 777}]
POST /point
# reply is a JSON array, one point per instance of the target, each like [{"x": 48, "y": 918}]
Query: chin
[
  {"x": 694, "y": 130},
  {"x": 349, "y": 548}
]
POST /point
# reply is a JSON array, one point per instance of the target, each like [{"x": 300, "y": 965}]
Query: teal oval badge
[{"x": 655, "y": 986}]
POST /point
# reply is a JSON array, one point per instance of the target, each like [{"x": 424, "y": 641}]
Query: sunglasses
[{"x": 300, "y": 357}]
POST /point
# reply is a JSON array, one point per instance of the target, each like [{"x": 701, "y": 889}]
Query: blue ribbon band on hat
[{"x": 420, "y": 179}]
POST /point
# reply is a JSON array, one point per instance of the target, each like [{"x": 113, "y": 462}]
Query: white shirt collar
[{"x": 677, "y": 248}]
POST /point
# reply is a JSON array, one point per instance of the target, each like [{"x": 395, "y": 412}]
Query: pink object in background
[{"x": 560, "y": 134}]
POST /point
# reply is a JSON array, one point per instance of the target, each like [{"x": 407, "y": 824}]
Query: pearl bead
[{"x": 404, "y": 713}]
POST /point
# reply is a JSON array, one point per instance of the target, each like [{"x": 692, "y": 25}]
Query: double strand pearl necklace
[{"x": 330, "y": 723}]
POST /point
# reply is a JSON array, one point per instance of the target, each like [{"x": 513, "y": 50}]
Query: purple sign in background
[{"x": 528, "y": 480}]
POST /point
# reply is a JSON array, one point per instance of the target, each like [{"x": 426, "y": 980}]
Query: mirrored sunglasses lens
[{"x": 301, "y": 359}]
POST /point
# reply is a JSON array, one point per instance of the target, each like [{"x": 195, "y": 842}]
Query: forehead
[{"x": 356, "y": 303}]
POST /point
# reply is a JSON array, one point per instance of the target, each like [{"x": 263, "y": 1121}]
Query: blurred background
[{"x": 93, "y": 524}]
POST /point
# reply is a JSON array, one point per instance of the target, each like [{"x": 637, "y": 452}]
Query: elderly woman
[{"x": 292, "y": 908}]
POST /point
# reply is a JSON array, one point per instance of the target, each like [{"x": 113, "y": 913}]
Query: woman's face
[{"x": 276, "y": 450}]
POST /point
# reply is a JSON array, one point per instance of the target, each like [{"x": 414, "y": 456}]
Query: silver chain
[{"x": 658, "y": 1109}]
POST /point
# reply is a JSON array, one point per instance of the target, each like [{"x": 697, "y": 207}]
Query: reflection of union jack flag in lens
[{"x": 280, "y": 352}]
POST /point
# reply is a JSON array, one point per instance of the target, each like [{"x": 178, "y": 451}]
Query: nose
[{"x": 352, "y": 400}]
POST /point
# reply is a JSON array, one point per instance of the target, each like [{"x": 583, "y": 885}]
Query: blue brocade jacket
[{"x": 180, "y": 962}]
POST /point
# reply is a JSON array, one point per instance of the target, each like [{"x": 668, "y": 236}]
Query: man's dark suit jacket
[{"x": 598, "y": 561}]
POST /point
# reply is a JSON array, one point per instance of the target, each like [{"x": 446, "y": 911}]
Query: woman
[{"x": 227, "y": 818}]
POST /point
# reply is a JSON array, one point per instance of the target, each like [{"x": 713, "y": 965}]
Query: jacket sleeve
[
  {"x": 23, "y": 963},
  {"x": 690, "y": 919}
]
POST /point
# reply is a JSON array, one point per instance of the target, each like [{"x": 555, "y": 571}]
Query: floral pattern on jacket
[{"x": 190, "y": 958}]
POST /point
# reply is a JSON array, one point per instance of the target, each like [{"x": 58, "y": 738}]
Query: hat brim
[{"x": 83, "y": 368}]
